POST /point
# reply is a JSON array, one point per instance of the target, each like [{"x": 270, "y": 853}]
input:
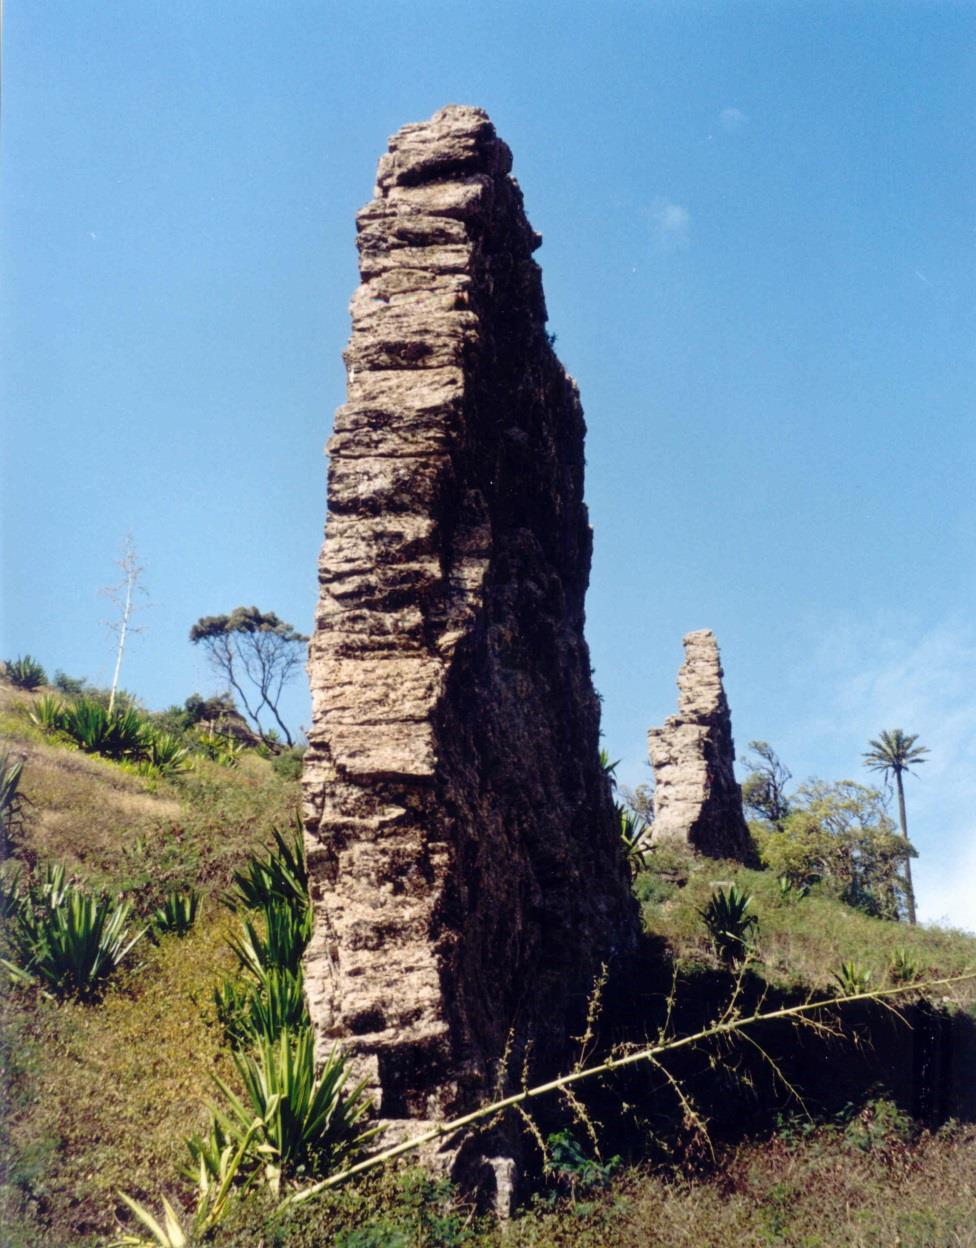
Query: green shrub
[
  {"x": 569, "y": 1164},
  {"x": 25, "y": 673},
  {"x": 288, "y": 764},
  {"x": 730, "y": 925},
  {"x": 71, "y": 686},
  {"x": 65, "y": 940},
  {"x": 309, "y": 1124},
  {"x": 177, "y": 914},
  {"x": 840, "y": 836}
]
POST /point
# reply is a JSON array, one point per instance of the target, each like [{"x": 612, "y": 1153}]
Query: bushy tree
[
  {"x": 839, "y": 835},
  {"x": 256, "y": 651}
]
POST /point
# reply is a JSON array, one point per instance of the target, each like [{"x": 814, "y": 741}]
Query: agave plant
[
  {"x": 635, "y": 833},
  {"x": 164, "y": 753},
  {"x": 282, "y": 876},
  {"x": 904, "y": 968},
  {"x": 119, "y": 733},
  {"x": 262, "y": 1010},
  {"x": 214, "y": 1181},
  {"x": 48, "y": 713},
  {"x": 790, "y": 890},
  {"x": 224, "y": 751},
  {"x": 308, "y": 1122},
  {"x": 177, "y": 914},
  {"x": 11, "y": 800},
  {"x": 9, "y": 892},
  {"x": 730, "y": 924},
  {"x": 286, "y": 933},
  {"x": 67, "y": 941},
  {"x": 852, "y": 979},
  {"x": 25, "y": 673}
]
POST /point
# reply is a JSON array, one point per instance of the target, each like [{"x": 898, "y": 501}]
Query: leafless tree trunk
[{"x": 123, "y": 595}]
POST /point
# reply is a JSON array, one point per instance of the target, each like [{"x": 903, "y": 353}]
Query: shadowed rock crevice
[
  {"x": 697, "y": 798},
  {"x": 465, "y": 863}
]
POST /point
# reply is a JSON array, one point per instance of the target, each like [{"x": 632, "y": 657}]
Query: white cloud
[
  {"x": 732, "y": 119},
  {"x": 891, "y": 673},
  {"x": 671, "y": 222}
]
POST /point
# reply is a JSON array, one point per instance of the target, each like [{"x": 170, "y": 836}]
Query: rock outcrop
[
  {"x": 697, "y": 799},
  {"x": 464, "y": 857}
]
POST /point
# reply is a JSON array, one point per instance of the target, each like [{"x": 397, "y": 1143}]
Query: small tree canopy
[{"x": 253, "y": 650}]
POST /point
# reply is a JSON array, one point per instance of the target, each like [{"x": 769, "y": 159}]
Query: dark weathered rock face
[
  {"x": 696, "y": 796},
  {"x": 465, "y": 864}
]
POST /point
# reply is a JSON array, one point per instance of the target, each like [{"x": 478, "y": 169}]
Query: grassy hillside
[{"x": 99, "y": 1097}]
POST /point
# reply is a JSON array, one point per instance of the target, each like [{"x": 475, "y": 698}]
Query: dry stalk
[{"x": 728, "y": 1025}]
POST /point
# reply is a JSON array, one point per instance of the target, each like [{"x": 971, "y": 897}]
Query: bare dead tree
[{"x": 124, "y": 594}]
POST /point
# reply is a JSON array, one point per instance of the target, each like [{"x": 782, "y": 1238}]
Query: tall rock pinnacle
[
  {"x": 466, "y": 872},
  {"x": 696, "y": 796}
]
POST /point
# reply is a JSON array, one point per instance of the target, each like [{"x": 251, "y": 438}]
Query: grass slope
[{"x": 99, "y": 1098}]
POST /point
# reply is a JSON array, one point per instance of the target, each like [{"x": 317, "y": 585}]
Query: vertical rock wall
[
  {"x": 696, "y": 796},
  {"x": 465, "y": 863}
]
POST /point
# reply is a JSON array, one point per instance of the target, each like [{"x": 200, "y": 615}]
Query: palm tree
[{"x": 894, "y": 753}]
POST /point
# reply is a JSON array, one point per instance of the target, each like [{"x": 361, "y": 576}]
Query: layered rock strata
[
  {"x": 465, "y": 864},
  {"x": 697, "y": 799}
]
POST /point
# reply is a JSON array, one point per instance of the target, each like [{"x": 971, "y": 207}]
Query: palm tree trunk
[{"x": 909, "y": 890}]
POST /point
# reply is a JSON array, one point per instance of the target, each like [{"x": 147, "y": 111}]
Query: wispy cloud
[
  {"x": 671, "y": 223},
  {"x": 732, "y": 119},
  {"x": 890, "y": 673}
]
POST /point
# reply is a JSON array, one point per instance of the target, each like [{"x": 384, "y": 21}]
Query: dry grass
[{"x": 823, "y": 1192}]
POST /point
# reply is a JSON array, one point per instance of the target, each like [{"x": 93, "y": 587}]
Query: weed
[
  {"x": 224, "y": 751},
  {"x": 635, "y": 834},
  {"x": 164, "y": 753}
]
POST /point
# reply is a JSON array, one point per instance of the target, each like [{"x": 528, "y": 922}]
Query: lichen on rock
[{"x": 465, "y": 866}]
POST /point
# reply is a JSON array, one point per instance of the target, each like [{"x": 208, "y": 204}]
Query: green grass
[
  {"x": 801, "y": 942},
  {"x": 857, "y": 1186},
  {"x": 100, "y": 1098}
]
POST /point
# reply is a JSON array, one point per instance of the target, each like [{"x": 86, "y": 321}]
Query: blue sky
[{"x": 758, "y": 261}]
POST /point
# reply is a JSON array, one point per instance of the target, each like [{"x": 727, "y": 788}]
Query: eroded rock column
[
  {"x": 697, "y": 799},
  {"x": 465, "y": 863}
]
